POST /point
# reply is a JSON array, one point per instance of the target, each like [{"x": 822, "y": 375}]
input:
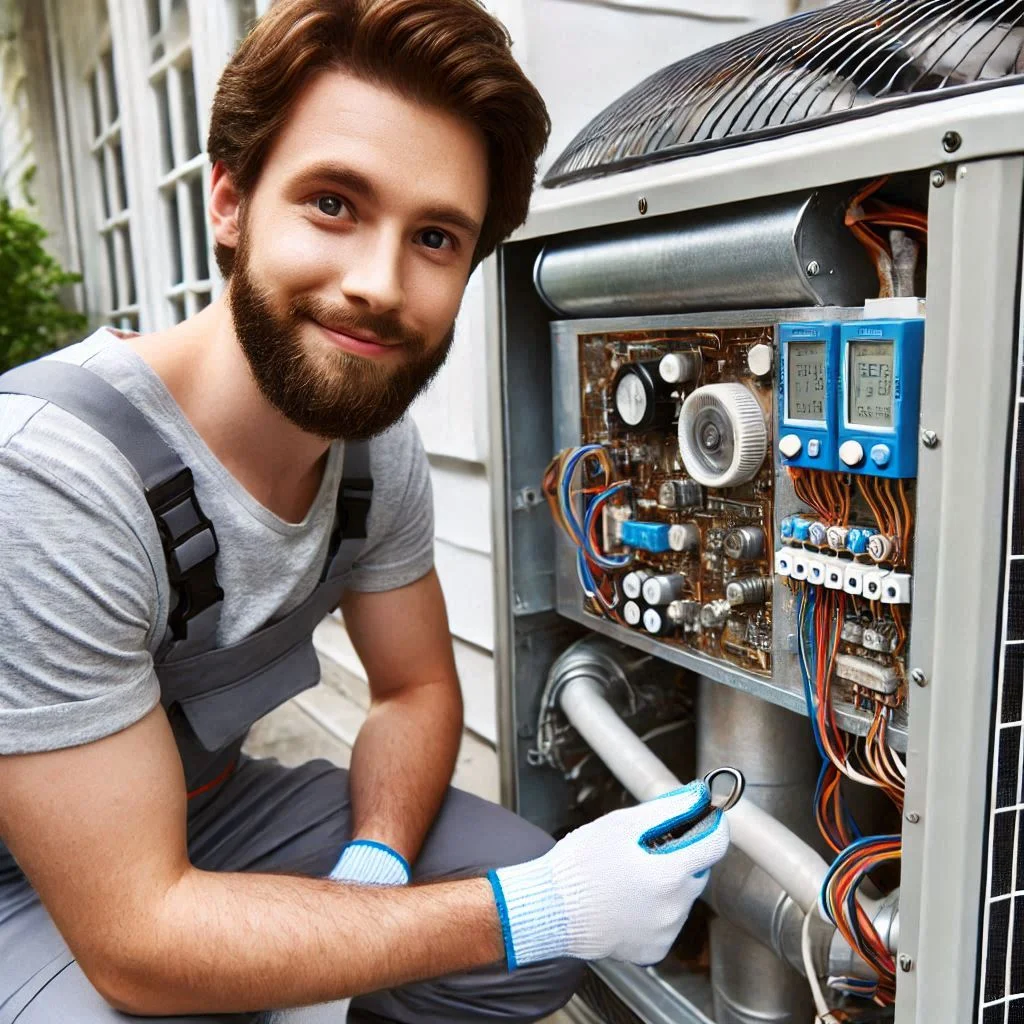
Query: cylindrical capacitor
[
  {"x": 680, "y": 494},
  {"x": 680, "y": 367},
  {"x": 835, "y": 537},
  {"x": 684, "y": 613},
  {"x": 657, "y": 623},
  {"x": 664, "y": 589},
  {"x": 745, "y": 543},
  {"x": 752, "y": 590},
  {"x": 633, "y": 583},
  {"x": 631, "y": 613},
  {"x": 786, "y": 527},
  {"x": 714, "y": 614},
  {"x": 818, "y": 534},
  {"x": 858, "y": 537},
  {"x": 684, "y": 537},
  {"x": 881, "y": 547},
  {"x": 801, "y": 528}
]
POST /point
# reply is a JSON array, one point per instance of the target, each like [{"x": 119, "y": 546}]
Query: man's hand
[{"x": 603, "y": 891}]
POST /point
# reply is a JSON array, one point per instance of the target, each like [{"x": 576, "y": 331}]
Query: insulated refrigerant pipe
[{"x": 785, "y": 857}]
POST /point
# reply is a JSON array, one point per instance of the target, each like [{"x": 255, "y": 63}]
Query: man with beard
[{"x": 180, "y": 508}]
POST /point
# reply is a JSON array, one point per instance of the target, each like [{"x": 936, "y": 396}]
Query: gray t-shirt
[{"x": 84, "y": 597}]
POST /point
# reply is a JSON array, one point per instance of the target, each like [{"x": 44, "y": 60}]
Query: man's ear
[{"x": 225, "y": 206}]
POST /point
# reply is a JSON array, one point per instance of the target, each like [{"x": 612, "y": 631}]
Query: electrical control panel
[{"x": 808, "y": 395}]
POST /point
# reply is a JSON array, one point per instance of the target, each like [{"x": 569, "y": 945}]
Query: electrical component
[
  {"x": 631, "y": 613},
  {"x": 680, "y": 367},
  {"x": 760, "y": 359},
  {"x": 815, "y": 570},
  {"x": 684, "y": 537},
  {"x": 801, "y": 565},
  {"x": 752, "y": 590},
  {"x": 714, "y": 614},
  {"x": 685, "y": 614},
  {"x": 723, "y": 438},
  {"x": 852, "y": 632},
  {"x": 656, "y": 623},
  {"x": 611, "y": 524},
  {"x": 896, "y": 588},
  {"x": 808, "y": 381},
  {"x": 857, "y": 539},
  {"x": 881, "y": 547},
  {"x": 642, "y": 400},
  {"x": 853, "y": 578},
  {"x": 880, "y": 636},
  {"x": 801, "y": 528},
  {"x": 836, "y": 536},
  {"x": 817, "y": 534},
  {"x": 645, "y": 536},
  {"x": 680, "y": 494},
  {"x": 664, "y": 589},
  {"x": 880, "y": 396},
  {"x": 835, "y": 573},
  {"x": 870, "y": 675},
  {"x": 633, "y": 583},
  {"x": 872, "y": 585},
  {"x": 784, "y": 561},
  {"x": 744, "y": 543}
]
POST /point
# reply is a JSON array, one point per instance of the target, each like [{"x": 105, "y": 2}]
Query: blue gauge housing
[
  {"x": 808, "y": 386},
  {"x": 880, "y": 397}
]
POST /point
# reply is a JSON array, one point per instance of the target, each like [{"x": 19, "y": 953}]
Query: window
[
  {"x": 117, "y": 289},
  {"x": 181, "y": 181}
]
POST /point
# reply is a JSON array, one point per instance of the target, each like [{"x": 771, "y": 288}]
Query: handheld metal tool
[{"x": 678, "y": 831}]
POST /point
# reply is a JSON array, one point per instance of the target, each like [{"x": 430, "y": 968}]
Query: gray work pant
[{"x": 269, "y": 818}]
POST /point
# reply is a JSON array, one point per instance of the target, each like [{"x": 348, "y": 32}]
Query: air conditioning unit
[{"x": 759, "y": 501}]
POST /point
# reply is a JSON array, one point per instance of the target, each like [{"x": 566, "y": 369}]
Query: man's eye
[
  {"x": 331, "y": 205},
  {"x": 432, "y": 238}
]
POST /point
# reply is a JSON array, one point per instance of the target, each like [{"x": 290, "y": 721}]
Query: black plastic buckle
[{"x": 354, "y": 507}]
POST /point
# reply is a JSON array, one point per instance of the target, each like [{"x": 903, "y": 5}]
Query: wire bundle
[{"x": 577, "y": 507}]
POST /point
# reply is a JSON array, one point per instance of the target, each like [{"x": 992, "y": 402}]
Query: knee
[{"x": 546, "y": 987}]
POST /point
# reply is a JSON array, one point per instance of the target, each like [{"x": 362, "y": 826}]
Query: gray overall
[{"x": 246, "y": 814}]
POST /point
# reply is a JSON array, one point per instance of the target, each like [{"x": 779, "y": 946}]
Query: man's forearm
[
  {"x": 231, "y": 943},
  {"x": 402, "y": 764}
]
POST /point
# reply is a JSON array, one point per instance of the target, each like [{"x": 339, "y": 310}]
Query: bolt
[
  {"x": 919, "y": 677},
  {"x": 929, "y": 439},
  {"x": 813, "y": 268},
  {"x": 913, "y": 817},
  {"x": 642, "y": 205},
  {"x": 938, "y": 179},
  {"x": 951, "y": 142},
  {"x": 906, "y": 964}
]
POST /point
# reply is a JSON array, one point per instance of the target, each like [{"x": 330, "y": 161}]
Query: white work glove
[
  {"x": 601, "y": 892},
  {"x": 362, "y": 862}
]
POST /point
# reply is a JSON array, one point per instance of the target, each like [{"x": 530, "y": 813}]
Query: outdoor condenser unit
[{"x": 759, "y": 501}]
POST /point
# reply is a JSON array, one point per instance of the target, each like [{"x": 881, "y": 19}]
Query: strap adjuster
[{"x": 356, "y": 497}]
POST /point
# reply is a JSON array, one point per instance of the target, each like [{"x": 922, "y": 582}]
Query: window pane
[
  {"x": 153, "y": 8},
  {"x": 115, "y": 299},
  {"x": 129, "y": 322},
  {"x": 174, "y": 233},
  {"x": 164, "y": 109},
  {"x": 202, "y": 300},
  {"x": 107, "y": 60},
  {"x": 245, "y": 15},
  {"x": 101, "y": 164},
  {"x": 122, "y": 188},
  {"x": 188, "y": 112},
  {"x": 129, "y": 260},
  {"x": 195, "y": 195},
  {"x": 94, "y": 92},
  {"x": 178, "y": 308}
]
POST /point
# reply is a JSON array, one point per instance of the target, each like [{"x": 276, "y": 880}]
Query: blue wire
[{"x": 605, "y": 561}]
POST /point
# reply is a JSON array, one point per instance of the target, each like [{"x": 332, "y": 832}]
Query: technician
[{"x": 178, "y": 511}]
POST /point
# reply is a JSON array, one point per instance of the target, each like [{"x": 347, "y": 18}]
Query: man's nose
[{"x": 373, "y": 280}]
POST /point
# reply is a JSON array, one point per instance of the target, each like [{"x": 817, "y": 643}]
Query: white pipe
[{"x": 785, "y": 857}]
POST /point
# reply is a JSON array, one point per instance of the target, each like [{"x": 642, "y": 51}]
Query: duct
[{"x": 784, "y": 251}]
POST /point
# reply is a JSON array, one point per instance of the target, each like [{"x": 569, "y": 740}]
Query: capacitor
[
  {"x": 759, "y": 359},
  {"x": 881, "y": 547},
  {"x": 631, "y": 613},
  {"x": 680, "y": 494},
  {"x": 853, "y": 631},
  {"x": 744, "y": 543},
  {"x": 818, "y": 534},
  {"x": 633, "y": 584},
  {"x": 836, "y": 536},
  {"x": 751, "y": 590},
  {"x": 664, "y": 589},
  {"x": 786, "y": 527},
  {"x": 680, "y": 367},
  {"x": 684, "y": 537},
  {"x": 858, "y": 537},
  {"x": 801, "y": 528},
  {"x": 642, "y": 399},
  {"x": 714, "y": 614},
  {"x": 685, "y": 614},
  {"x": 656, "y": 623}
]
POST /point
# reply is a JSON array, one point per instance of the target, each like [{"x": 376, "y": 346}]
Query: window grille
[
  {"x": 182, "y": 182},
  {"x": 118, "y": 292}
]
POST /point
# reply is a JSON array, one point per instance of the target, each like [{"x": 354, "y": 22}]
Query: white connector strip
[{"x": 841, "y": 574}]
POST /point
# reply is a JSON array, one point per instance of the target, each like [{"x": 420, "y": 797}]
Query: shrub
[{"x": 33, "y": 320}]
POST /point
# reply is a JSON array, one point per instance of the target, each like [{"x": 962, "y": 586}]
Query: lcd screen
[
  {"x": 806, "y": 399},
  {"x": 869, "y": 385}
]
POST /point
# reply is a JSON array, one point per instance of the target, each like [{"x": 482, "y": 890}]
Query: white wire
[{"x": 820, "y": 1006}]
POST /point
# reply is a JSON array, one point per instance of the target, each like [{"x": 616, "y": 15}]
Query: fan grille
[{"x": 856, "y": 57}]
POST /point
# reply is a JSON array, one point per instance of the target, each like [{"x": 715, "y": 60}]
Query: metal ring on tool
[{"x": 739, "y": 784}]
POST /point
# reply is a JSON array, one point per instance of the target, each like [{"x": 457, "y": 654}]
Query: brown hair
[{"x": 446, "y": 53}]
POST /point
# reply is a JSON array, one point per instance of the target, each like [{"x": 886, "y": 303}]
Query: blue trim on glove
[
  {"x": 384, "y": 848},
  {"x": 506, "y": 928},
  {"x": 367, "y": 862}
]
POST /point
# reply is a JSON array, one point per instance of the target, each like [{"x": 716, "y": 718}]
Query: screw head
[
  {"x": 642, "y": 205},
  {"x": 938, "y": 179},
  {"x": 929, "y": 439},
  {"x": 813, "y": 268},
  {"x": 906, "y": 964},
  {"x": 913, "y": 817},
  {"x": 951, "y": 142},
  {"x": 919, "y": 677}
]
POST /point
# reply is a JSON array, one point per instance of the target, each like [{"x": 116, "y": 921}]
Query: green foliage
[{"x": 33, "y": 321}]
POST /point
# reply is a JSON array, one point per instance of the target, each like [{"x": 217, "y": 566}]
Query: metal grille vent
[{"x": 854, "y": 58}]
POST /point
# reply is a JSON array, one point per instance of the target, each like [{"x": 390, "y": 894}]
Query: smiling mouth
[{"x": 361, "y": 343}]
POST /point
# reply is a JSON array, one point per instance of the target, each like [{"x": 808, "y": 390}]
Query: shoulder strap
[
  {"x": 188, "y": 537},
  {"x": 355, "y": 497}
]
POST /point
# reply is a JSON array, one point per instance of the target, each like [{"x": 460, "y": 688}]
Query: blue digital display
[
  {"x": 808, "y": 382},
  {"x": 880, "y": 397}
]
